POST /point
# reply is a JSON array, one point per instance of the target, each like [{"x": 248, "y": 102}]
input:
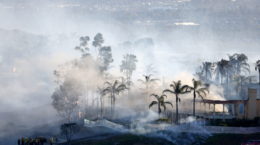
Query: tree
[
  {"x": 197, "y": 90},
  {"x": 83, "y": 47},
  {"x": 207, "y": 67},
  {"x": 105, "y": 58},
  {"x": 177, "y": 89},
  {"x": 98, "y": 40},
  {"x": 113, "y": 89},
  {"x": 160, "y": 102},
  {"x": 68, "y": 130},
  {"x": 239, "y": 62},
  {"x": 257, "y": 67},
  {"x": 220, "y": 70},
  {"x": 128, "y": 65},
  {"x": 101, "y": 97},
  {"x": 65, "y": 99},
  {"x": 240, "y": 81},
  {"x": 148, "y": 81}
]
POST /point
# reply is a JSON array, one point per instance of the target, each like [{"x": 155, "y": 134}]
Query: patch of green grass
[{"x": 163, "y": 120}]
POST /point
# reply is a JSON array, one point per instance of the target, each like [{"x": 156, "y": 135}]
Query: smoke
[{"x": 37, "y": 37}]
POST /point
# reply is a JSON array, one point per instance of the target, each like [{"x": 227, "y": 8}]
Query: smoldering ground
[{"x": 37, "y": 37}]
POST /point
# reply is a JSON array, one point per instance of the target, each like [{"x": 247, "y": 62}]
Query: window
[{"x": 241, "y": 108}]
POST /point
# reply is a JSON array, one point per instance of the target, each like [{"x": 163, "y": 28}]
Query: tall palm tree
[
  {"x": 113, "y": 89},
  {"x": 177, "y": 89},
  {"x": 257, "y": 68},
  {"x": 160, "y": 102},
  {"x": 220, "y": 70},
  {"x": 198, "y": 90},
  {"x": 101, "y": 93},
  {"x": 227, "y": 70},
  {"x": 207, "y": 67},
  {"x": 147, "y": 82},
  {"x": 239, "y": 62}
]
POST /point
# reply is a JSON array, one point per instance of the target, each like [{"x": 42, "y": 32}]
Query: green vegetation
[
  {"x": 177, "y": 89},
  {"x": 160, "y": 102}
]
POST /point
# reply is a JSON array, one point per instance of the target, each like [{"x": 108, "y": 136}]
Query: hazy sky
[{"x": 36, "y": 36}]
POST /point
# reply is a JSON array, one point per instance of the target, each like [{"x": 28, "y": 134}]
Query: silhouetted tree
[
  {"x": 197, "y": 90},
  {"x": 65, "y": 99},
  {"x": 113, "y": 89},
  {"x": 239, "y": 63},
  {"x": 101, "y": 98},
  {"x": 105, "y": 57},
  {"x": 83, "y": 46},
  {"x": 257, "y": 68},
  {"x": 148, "y": 82},
  {"x": 68, "y": 130},
  {"x": 177, "y": 89},
  {"x": 160, "y": 102},
  {"x": 207, "y": 68},
  {"x": 128, "y": 65},
  {"x": 98, "y": 40},
  {"x": 220, "y": 70}
]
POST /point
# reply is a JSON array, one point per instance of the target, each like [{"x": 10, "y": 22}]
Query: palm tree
[
  {"x": 240, "y": 81},
  {"x": 160, "y": 102},
  {"x": 101, "y": 97},
  {"x": 197, "y": 90},
  {"x": 257, "y": 67},
  {"x": 148, "y": 80},
  {"x": 114, "y": 89},
  {"x": 220, "y": 70},
  {"x": 239, "y": 62},
  {"x": 177, "y": 88},
  {"x": 207, "y": 67}
]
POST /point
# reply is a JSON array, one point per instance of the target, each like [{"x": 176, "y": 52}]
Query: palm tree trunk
[
  {"x": 221, "y": 79},
  {"x": 114, "y": 104},
  {"x": 159, "y": 111},
  {"x": 111, "y": 107},
  {"x": 194, "y": 97},
  {"x": 227, "y": 84},
  {"x": 101, "y": 108},
  {"x": 206, "y": 76},
  {"x": 177, "y": 112},
  {"x": 259, "y": 75}
]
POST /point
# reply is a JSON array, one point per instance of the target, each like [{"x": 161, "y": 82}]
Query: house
[{"x": 247, "y": 108}]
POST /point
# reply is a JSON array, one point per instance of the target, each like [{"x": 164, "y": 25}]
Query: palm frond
[
  {"x": 106, "y": 90},
  {"x": 163, "y": 95},
  {"x": 153, "y": 103},
  {"x": 155, "y": 95},
  {"x": 115, "y": 83},
  {"x": 201, "y": 93},
  {"x": 185, "y": 89},
  {"x": 167, "y": 102},
  {"x": 203, "y": 89},
  {"x": 164, "y": 107},
  {"x": 173, "y": 86},
  {"x": 169, "y": 91},
  {"x": 107, "y": 83},
  {"x": 153, "y": 80},
  {"x": 202, "y": 98}
]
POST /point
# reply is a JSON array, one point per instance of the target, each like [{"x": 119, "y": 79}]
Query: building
[{"x": 248, "y": 108}]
